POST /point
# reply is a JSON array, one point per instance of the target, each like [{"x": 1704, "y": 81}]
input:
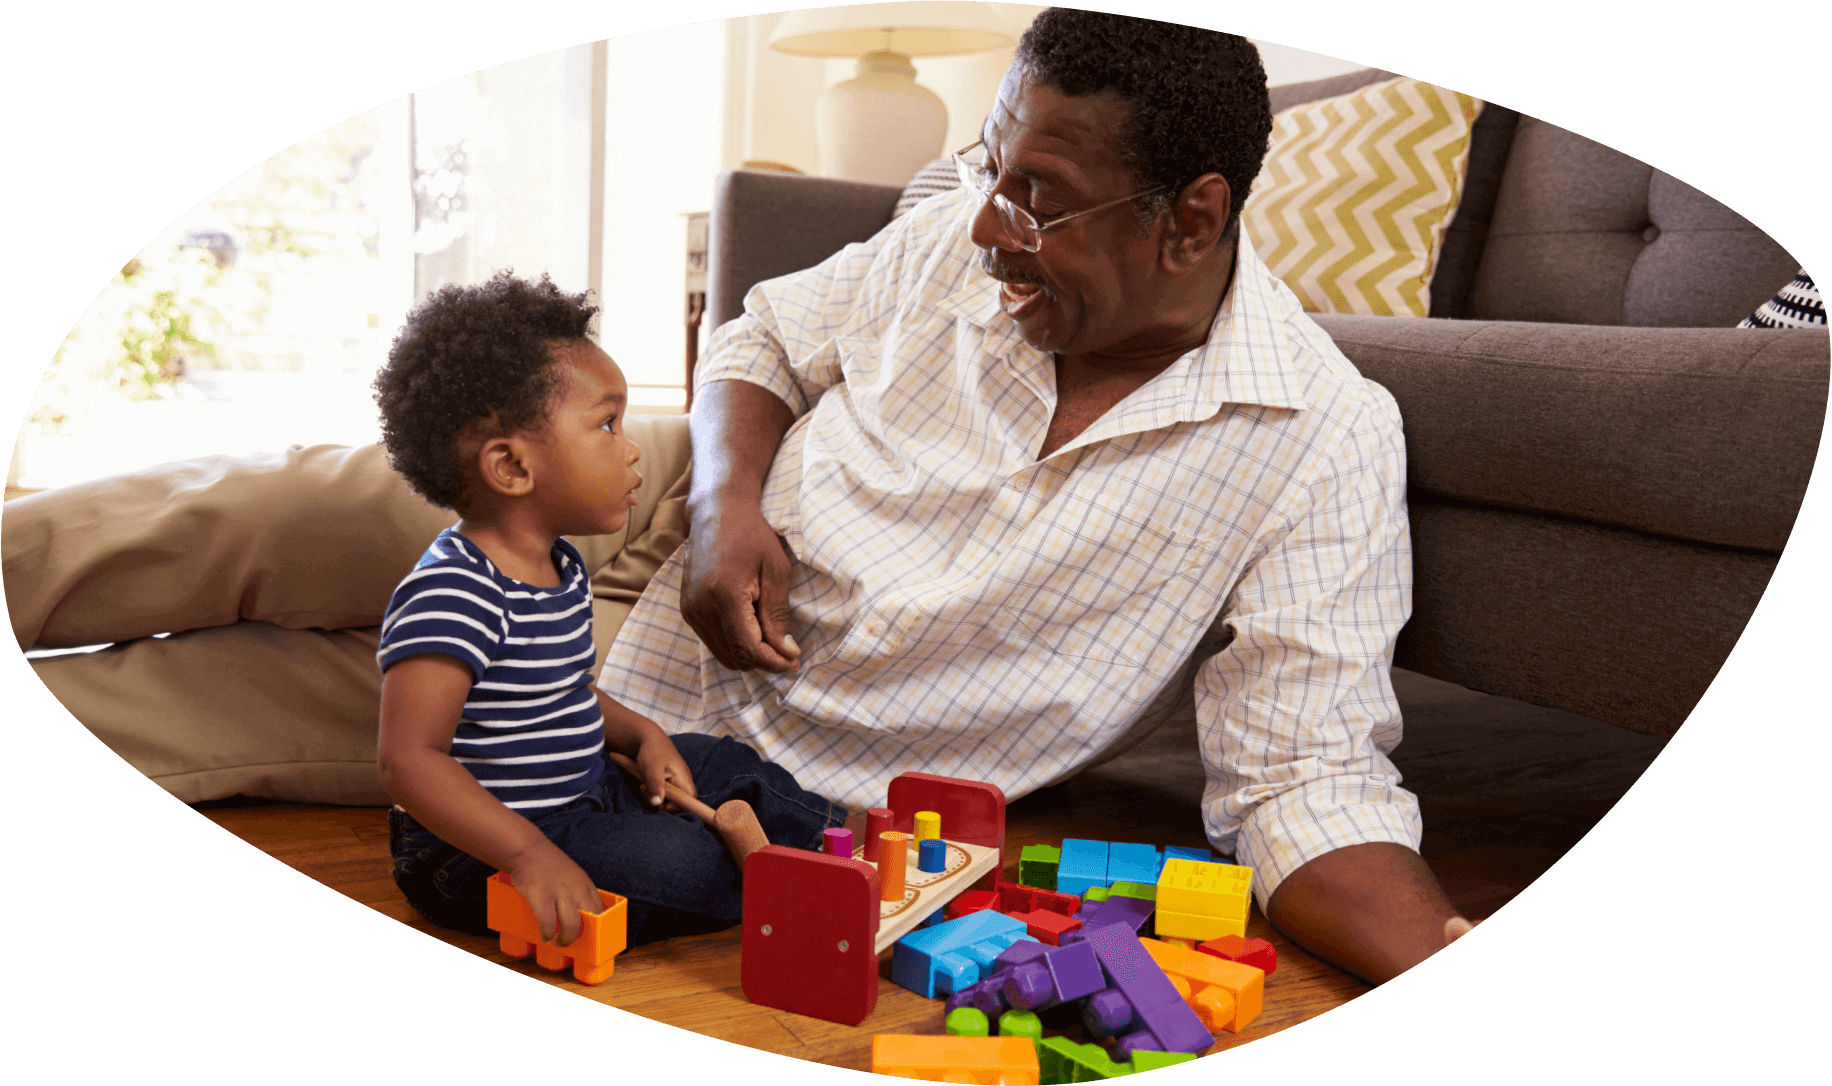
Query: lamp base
[{"x": 881, "y": 125}]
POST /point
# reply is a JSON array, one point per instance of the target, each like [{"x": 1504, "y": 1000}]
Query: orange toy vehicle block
[
  {"x": 1225, "y": 995},
  {"x": 602, "y": 937},
  {"x": 991, "y": 1061}
]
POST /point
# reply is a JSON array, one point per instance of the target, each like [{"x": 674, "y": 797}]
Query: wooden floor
[{"x": 1506, "y": 789}]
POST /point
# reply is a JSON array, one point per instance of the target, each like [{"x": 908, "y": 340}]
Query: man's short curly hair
[
  {"x": 1198, "y": 97},
  {"x": 471, "y": 354}
]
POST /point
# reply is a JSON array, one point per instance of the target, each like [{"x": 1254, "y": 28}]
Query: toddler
[{"x": 498, "y": 750}]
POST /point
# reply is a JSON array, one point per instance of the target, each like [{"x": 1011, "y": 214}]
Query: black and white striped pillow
[
  {"x": 938, "y": 176},
  {"x": 1798, "y": 305}
]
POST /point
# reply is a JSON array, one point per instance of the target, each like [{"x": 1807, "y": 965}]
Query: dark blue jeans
[{"x": 673, "y": 867}]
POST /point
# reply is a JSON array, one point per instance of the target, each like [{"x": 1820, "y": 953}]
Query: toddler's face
[{"x": 586, "y": 478}]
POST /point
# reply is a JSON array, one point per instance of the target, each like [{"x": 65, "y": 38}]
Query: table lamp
[{"x": 881, "y": 125}]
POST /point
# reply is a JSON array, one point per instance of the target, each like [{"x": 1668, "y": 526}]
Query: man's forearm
[
  {"x": 736, "y": 427},
  {"x": 1373, "y": 909}
]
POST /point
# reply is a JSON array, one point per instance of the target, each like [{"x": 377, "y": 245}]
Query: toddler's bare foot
[{"x": 738, "y": 827}]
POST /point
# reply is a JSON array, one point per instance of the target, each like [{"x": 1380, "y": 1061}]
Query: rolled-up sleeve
[
  {"x": 793, "y": 335},
  {"x": 1296, "y": 714}
]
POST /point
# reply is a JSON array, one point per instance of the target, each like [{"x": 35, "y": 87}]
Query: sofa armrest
[
  {"x": 1595, "y": 510},
  {"x": 767, "y": 224}
]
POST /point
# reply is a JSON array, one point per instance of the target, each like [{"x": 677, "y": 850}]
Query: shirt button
[{"x": 876, "y": 628}]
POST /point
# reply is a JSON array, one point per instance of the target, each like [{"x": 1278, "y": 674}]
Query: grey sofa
[{"x": 1603, "y": 469}]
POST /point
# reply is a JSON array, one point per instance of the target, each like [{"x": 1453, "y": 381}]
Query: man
[{"x": 968, "y": 496}]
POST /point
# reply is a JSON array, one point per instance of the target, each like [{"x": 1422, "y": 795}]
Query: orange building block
[
  {"x": 990, "y": 1061},
  {"x": 1225, "y": 995},
  {"x": 602, "y": 937}
]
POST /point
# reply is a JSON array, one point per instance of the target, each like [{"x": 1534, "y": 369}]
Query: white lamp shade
[{"x": 917, "y": 29}]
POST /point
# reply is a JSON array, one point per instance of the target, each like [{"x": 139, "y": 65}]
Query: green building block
[
  {"x": 968, "y": 1022},
  {"x": 1142, "y": 890},
  {"x": 1037, "y": 866},
  {"x": 1062, "y": 1060},
  {"x": 1016, "y": 1023},
  {"x": 1097, "y": 893},
  {"x": 1143, "y": 1060}
]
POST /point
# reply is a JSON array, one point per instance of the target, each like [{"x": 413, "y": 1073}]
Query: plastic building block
[
  {"x": 602, "y": 935},
  {"x": 1179, "y": 852},
  {"x": 968, "y": 1022},
  {"x": 1165, "y": 1023},
  {"x": 1083, "y": 864},
  {"x": 1201, "y": 901},
  {"x": 1037, "y": 866},
  {"x": 988, "y": 993},
  {"x": 810, "y": 931},
  {"x": 1059, "y": 975},
  {"x": 1096, "y": 893},
  {"x": 1144, "y": 1059},
  {"x": 1145, "y": 890},
  {"x": 971, "y": 901},
  {"x": 1131, "y": 912},
  {"x": 1225, "y": 995},
  {"x": 951, "y": 956},
  {"x": 1062, "y": 1060},
  {"x": 1046, "y": 927},
  {"x": 1018, "y": 898},
  {"x": 1011, "y": 1061},
  {"x": 836, "y": 842},
  {"x": 927, "y": 824},
  {"x": 1132, "y": 863},
  {"x": 1257, "y": 953},
  {"x": 931, "y": 855},
  {"x": 1021, "y": 1024}
]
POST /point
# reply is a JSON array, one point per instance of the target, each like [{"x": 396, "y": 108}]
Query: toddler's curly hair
[{"x": 469, "y": 355}]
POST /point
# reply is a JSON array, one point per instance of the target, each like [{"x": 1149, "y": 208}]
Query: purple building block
[
  {"x": 1061, "y": 975},
  {"x": 1129, "y": 911},
  {"x": 1167, "y": 1023}
]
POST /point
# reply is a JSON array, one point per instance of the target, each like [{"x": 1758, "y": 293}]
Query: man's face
[{"x": 1091, "y": 288}]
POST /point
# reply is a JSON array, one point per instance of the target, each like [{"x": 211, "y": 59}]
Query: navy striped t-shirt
[{"x": 531, "y": 731}]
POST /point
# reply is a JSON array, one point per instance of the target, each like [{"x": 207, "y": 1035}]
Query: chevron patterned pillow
[{"x": 1356, "y": 191}]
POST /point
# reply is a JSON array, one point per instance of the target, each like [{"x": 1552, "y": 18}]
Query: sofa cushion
[
  {"x": 1352, "y": 202},
  {"x": 1582, "y": 234}
]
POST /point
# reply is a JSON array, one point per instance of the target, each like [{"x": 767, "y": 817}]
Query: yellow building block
[
  {"x": 1225, "y": 995},
  {"x": 1206, "y": 889},
  {"x": 989, "y": 1061},
  {"x": 1195, "y": 927}
]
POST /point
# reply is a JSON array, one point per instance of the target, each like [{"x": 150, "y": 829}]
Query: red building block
[
  {"x": 1257, "y": 953},
  {"x": 810, "y": 929},
  {"x": 972, "y": 901},
  {"x": 1015, "y": 898},
  {"x": 1046, "y": 927}
]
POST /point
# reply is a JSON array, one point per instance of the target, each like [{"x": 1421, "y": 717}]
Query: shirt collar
[{"x": 1246, "y": 360}]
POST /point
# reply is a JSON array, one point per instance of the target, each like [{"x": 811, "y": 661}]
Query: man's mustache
[{"x": 1006, "y": 275}]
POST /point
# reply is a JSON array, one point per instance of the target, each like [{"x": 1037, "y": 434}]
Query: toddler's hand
[
  {"x": 558, "y": 890},
  {"x": 661, "y": 764}
]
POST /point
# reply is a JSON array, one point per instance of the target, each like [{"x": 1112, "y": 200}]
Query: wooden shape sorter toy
[{"x": 815, "y": 924}]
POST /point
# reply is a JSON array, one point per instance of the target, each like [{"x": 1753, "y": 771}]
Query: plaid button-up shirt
[{"x": 1233, "y": 533}]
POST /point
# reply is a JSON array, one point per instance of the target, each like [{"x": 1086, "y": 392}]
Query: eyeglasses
[{"x": 1021, "y": 225}]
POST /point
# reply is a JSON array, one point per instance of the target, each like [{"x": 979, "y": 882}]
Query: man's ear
[
  {"x": 1197, "y": 217},
  {"x": 503, "y": 465}
]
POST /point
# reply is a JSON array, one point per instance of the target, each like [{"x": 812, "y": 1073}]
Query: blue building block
[
  {"x": 1132, "y": 863},
  {"x": 1083, "y": 864},
  {"x": 953, "y": 955},
  {"x": 1179, "y": 852}
]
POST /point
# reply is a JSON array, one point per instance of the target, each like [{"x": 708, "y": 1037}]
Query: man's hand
[
  {"x": 735, "y": 592},
  {"x": 557, "y": 889}
]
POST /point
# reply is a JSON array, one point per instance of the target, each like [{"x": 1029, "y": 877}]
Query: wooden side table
[{"x": 696, "y": 291}]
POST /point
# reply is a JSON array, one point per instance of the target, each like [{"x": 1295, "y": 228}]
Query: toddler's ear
[{"x": 503, "y": 464}]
